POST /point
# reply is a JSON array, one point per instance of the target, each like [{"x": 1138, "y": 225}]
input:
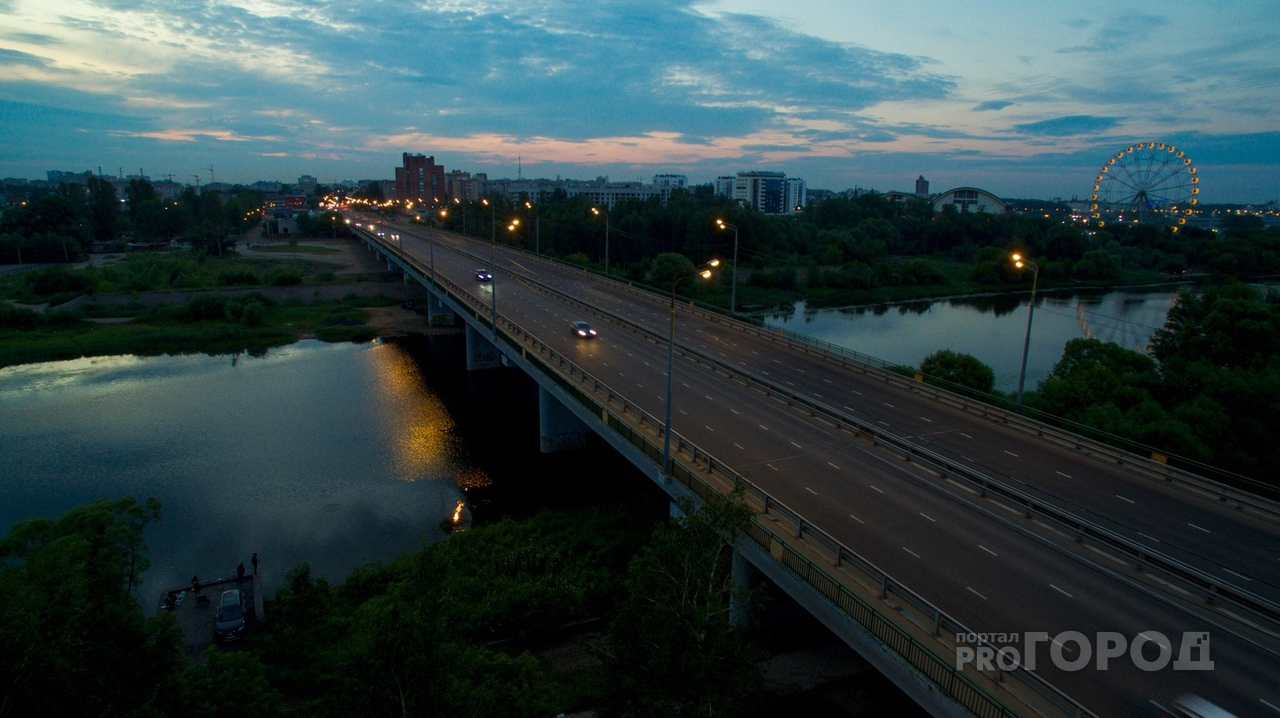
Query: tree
[
  {"x": 965, "y": 370},
  {"x": 76, "y": 641},
  {"x": 671, "y": 649}
]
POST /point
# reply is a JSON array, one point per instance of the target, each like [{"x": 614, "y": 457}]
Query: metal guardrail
[
  {"x": 1227, "y": 487},
  {"x": 942, "y": 672},
  {"x": 1213, "y": 589}
]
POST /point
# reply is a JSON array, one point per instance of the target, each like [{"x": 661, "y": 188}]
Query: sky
[{"x": 1025, "y": 99}]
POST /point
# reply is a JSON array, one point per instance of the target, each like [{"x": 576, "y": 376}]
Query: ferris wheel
[{"x": 1149, "y": 182}]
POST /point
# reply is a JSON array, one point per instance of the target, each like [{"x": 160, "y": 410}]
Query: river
[
  {"x": 990, "y": 328},
  {"x": 334, "y": 454}
]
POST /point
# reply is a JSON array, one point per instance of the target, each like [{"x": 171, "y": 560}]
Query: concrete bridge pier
[
  {"x": 558, "y": 428},
  {"x": 438, "y": 313},
  {"x": 745, "y": 578},
  {"x": 481, "y": 353}
]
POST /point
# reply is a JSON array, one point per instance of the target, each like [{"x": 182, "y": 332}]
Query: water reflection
[
  {"x": 990, "y": 328},
  {"x": 334, "y": 454}
]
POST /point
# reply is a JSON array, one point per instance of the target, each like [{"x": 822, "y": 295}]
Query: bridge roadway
[{"x": 986, "y": 566}]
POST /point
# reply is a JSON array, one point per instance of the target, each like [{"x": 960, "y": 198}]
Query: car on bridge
[
  {"x": 484, "y": 275},
  {"x": 583, "y": 330}
]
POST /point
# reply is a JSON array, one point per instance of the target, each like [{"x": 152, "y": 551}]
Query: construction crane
[{"x": 210, "y": 168}]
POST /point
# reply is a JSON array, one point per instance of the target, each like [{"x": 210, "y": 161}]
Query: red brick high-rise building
[{"x": 421, "y": 180}]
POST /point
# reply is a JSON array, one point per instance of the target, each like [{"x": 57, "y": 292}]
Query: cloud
[
  {"x": 1067, "y": 126},
  {"x": 991, "y": 106}
]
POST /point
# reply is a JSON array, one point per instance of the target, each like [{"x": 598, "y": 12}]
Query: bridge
[{"x": 988, "y": 564}]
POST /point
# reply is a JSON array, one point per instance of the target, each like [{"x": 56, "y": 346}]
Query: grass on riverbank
[
  {"x": 211, "y": 324},
  {"x": 176, "y": 270}
]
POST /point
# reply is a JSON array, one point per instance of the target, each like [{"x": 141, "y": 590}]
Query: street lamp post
[
  {"x": 1019, "y": 262},
  {"x": 493, "y": 268},
  {"x": 597, "y": 213},
  {"x": 537, "y": 228},
  {"x": 733, "y": 285},
  {"x": 705, "y": 273}
]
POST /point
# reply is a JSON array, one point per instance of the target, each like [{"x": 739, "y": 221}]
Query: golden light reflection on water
[{"x": 422, "y": 440}]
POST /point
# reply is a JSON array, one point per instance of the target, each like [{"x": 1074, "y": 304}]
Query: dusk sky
[{"x": 1025, "y": 99}]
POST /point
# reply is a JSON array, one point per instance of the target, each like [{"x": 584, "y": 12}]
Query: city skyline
[{"x": 1020, "y": 100}]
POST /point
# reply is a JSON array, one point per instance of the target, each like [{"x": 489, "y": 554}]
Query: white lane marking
[
  {"x": 762, "y": 426},
  {"x": 1241, "y": 575},
  {"x": 913, "y": 553},
  {"x": 855, "y": 518},
  {"x": 734, "y": 411},
  {"x": 792, "y": 383},
  {"x": 966, "y": 458},
  {"x": 1064, "y": 593},
  {"x": 855, "y": 391},
  {"x": 815, "y": 493},
  {"x": 1201, "y": 528},
  {"x": 976, "y": 593},
  {"x": 877, "y": 488},
  {"x": 832, "y": 465},
  {"x": 928, "y": 420},
  {"x": 984, "y": 548},
  {"x": 1147, "y": 536},
  {"x": 883, "y": 422},
  {"x": 708, "y": 428},
  {"x": 1059, "y": 473},
  {"x": 685, "y": 385},
  {"x": 1118, "y": 496},
  {"x": 817, "y": 395},
  {"x": 800, "y": 370},
  {"x": 1265, "y": 703},
  {"x": 775, "y": 361},
  {"x": 739, "y": 446},
  {"x": 772, "y": 467},
  {"x": 927, "y": 516},
  {"x": 827, "y": 381},
  {"x": 965, "y": 435},
  {"x": 762, "y": 371},
  {"x": 1010, "y": 453},
  {"x": 708, "y": 397},
  {"x": 682, "y": 411},
  {"x": 891, "y": 406},
  {"x": 796, "y": 445}
]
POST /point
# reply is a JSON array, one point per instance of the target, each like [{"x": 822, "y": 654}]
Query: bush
[
  {"x": 287, "y": 279},
  {"x": 238, "y": 277},
  {"x": 253, "y": 313},
  {"x": 12, "y": 317},
  {"x": 205, "y": 308},
  {"x": 49, "y": 281}
]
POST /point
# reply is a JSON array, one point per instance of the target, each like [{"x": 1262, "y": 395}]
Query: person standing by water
[
  {"x": 240, "y": 573},
  {"x": 195, "y": 585},
  {"x": 254, "y": 560}
]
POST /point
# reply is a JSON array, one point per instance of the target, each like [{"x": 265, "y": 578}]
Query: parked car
[
  {"x": 484, "y": 275},
  {"x": 228, "y": 624},
  {"x": 583, "y": 330}
]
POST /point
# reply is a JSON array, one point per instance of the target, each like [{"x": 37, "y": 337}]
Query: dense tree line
[
  {"x": 446, "y": 630},
  {"x": 1209, "y": 389},
  {"x": 868, "y": 242},
  {"x": 62, "y": 225}
]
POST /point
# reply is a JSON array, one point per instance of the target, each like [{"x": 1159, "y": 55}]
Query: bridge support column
[
  {"x": 558, "y": 428},
  {"x": 745, "y": 578},
  {"x": 439, "y": 313},
  {"x": 481, "y": 353}
]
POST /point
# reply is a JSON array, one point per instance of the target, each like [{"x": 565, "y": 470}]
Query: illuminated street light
[
  {"x": 705, "y": 273},
  {"x": 597, "y": 213},
  {"x": 733, "y": 287},
  {"x": 1019, "y": 262}
]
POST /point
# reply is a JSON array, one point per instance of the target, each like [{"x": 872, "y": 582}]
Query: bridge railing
[
  {"x": 644, "y": 431},
  {"x": 1203, "y": 478}
]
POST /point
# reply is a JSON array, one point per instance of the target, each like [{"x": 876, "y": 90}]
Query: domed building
[{"x": 970, "y": 199}]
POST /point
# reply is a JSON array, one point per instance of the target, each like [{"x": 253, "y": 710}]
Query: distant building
[
  {"x": 57, "y": 177},
  {"x": 307, "y": 185},
  {"x": 922, "y": 186},
  {"x": 796, "y": 195},
  {"x": 970, "y": 199},
  {"x": 672, "y": 181},
  {"x": 724, "y": 185},
  {"x": 607, "y": 194},
  {"x": 420, "y": 180},
  {"x": 462, "y": 186},
  {"x": 765, "y": 191}
]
